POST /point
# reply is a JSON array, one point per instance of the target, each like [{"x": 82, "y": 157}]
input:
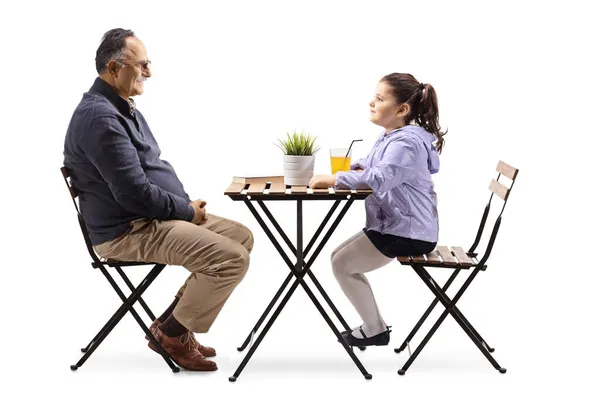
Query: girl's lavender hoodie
[{"x": 398, "y": 169}]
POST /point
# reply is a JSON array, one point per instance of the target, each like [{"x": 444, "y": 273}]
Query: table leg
[
  {"x": 305, "y": 252},
  {"x": 300, "y": 269}
]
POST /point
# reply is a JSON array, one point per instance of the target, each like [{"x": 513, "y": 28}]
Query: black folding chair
[
  {"x": 128, "y": 302},
  {"x": 456, "y": 258}
]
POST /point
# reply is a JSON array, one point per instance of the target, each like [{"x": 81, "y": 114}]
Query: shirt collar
[{"x": 104, "y": 89}]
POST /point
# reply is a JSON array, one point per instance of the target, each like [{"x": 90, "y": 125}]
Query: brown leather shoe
[
  {"x": 206, "y": 351},
  {"x": 183, "y": 352}
]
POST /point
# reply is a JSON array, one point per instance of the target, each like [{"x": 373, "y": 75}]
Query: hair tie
[{"x": 421, "y": 86}]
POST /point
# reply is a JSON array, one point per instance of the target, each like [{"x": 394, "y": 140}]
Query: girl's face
[{"x": 385, "y": 111}]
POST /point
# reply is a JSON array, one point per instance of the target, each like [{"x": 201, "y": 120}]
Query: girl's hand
[{"x": 322, "y": 181}]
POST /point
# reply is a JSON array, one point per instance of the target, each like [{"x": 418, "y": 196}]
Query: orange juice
[{"x": 340, "y": 164}]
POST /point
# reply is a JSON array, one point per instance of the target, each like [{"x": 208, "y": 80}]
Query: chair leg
[
  {"x": 133, "y": 298},
  {"x": 412, "y": 333},
  {"x": 132, "y": 288},
  {"x": 416, "y": 353},
  {"x": 451, "y": 309},
  {"x": 141, "y": 301},
  {"x": 459, "y": 313},
  {"x": 128, "y": 303},
  {"x": 475, "y": 333},
  {"x": 109, "y": 324},
  {"x": 104, "y": 332}
]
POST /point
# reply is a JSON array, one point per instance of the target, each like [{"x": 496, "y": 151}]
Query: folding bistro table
[{"x": 263, "y": 190}]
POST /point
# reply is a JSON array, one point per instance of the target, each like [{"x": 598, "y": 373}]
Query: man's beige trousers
[{"x": 217, "y": 254}]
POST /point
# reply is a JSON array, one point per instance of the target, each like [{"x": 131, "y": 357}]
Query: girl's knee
[{"x": 339, "y": 266}]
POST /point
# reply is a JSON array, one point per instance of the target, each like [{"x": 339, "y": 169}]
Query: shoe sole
[
  {"x": 367, "y": 342},
  {"x": 209, "y": 356},
  {"x": 178, "y": 364},
  {"x": 367, "y": 345}
]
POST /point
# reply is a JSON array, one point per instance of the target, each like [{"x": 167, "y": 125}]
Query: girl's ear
[{"x": 403, "y": 110}]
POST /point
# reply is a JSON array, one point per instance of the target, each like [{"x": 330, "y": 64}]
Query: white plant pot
[{"x": 297, "y": 170}]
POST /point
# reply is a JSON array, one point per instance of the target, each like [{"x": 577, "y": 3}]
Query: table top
[{"x": 274, "y": 188}]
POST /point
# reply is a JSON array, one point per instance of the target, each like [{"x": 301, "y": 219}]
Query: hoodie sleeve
[
  {"x": 396, "y": 166},
  {"x": 359, "y": 164}
]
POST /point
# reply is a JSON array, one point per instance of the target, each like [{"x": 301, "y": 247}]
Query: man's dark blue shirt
[{"x": 116, "y": 167}]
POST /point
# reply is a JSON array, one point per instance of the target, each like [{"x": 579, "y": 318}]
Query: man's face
[{"x": 134, "y": 68}]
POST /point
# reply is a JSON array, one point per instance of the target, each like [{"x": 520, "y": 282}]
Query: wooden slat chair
[
  {"x": 128, "y": 302},
  {"x": 456, "y": 258}
]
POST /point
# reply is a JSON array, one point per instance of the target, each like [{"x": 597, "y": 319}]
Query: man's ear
[{"x": 113, "y": 68}]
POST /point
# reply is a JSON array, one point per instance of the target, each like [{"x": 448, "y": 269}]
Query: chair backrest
[
  {"x": 66, "y": 173},
  {"x": 503, "y": 193}
]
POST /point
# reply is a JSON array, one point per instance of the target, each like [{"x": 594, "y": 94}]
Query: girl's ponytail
[
  {"x": 427, "y": 115},
  {"x": 422, "y": 100}
]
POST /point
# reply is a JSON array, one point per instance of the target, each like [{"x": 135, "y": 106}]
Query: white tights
[{"x": 350, "y": 261}]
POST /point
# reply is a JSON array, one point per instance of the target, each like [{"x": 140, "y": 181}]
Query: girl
[{"x": 401, "y": 213}]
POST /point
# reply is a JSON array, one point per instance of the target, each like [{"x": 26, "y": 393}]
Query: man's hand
[
  {"x": 199, "y": 212},
  {"x": 322, "y": 181}
]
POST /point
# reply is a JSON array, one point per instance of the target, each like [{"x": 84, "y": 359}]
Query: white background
[{"x": 516, "y": 81}]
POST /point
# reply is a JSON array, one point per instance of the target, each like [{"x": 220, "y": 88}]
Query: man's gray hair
[{"x": 111, "y": 47}]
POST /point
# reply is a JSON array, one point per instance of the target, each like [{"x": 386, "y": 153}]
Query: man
[{"x": 135, "y": 206}]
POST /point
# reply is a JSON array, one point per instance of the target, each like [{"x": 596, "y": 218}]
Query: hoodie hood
[{"x": 416, "y": 132}]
